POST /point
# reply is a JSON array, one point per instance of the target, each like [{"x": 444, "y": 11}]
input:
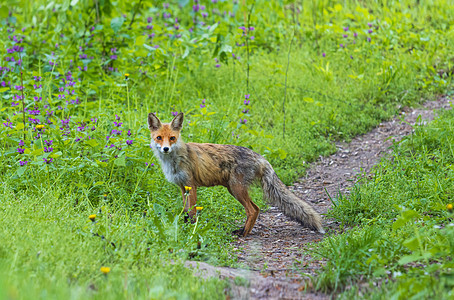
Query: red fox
[{"x": 234, "y": 167}]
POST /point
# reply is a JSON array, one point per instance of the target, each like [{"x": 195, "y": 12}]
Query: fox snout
[{"x": 165, "y": 149}]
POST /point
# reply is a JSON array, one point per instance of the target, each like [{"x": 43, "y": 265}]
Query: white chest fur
[{"x": 171, "y": 166}]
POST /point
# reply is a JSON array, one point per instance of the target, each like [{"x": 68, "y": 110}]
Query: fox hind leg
[{"x": 240, "y": 192}]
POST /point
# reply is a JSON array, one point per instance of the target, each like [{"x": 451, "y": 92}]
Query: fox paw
[
  {"x": 189, "y": 218},
  {"x": 238, "y": 232}
]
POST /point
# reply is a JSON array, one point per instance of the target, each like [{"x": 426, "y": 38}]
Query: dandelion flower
[
  {"x": 198, "y": 208},
  {"x": 105, "y": 270},
  {"x": 449, "y": 207},
  {"x": 92, "y": 217},
  {"x": 39, "y": 127},
  {"x": 187, "y": 188}
]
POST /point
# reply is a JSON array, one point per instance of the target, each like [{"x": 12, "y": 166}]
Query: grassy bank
[{"x": 399, "y": 233}]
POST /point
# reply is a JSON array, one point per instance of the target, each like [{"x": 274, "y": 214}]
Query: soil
[{"x": 275, "y": 265}]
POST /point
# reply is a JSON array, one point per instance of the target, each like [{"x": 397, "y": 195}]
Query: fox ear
[
  {"x": 177, "y": 122},
  {"x": 153, "y": 122}
]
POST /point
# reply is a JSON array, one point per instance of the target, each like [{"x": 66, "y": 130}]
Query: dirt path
[{"x": 275, "y": 245}]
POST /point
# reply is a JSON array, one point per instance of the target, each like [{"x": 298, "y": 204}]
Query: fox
[{"x": 234, "y": 167}]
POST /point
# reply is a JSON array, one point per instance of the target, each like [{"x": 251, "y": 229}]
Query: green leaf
[
  {"x": 3, "y": 11},
  {"x": 37, "y": 152},
  {"x": 411, "y": 243},
  {"x": 116, "y": 23},
  {"x": 406, "y": 216},
  {"x": 20, "y": 171},
  {"x": 282, "y": 154},
  {"x": 148, "y": 47},
  {"x": 4, "y": 89},
  {"x": 140, "y": 40},
  {"x": 183, "y": 3},
  {"x": 121, "y": 161},
  {"x": 92, "y": 143},
  {"x": 19, "y": 126},
  {"x": 56, "y": 154},
  {"x": 409, "y": 258},
  {"x": 101, "y": 163}
]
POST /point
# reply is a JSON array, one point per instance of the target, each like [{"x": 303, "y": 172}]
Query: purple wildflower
[
  {"x": 9, "y": 125},
  {"x": 20, "y": 150},
  {"x": 48, "y": 160},
  {"x": 21, "y": 143},
  {"x": 23, "y": 163},
  {"x": 129, "y": 142},
  {"x": 117, "y": 132},
  {"x": 174, "y": 113},
  {"x": 48, "y": 149}
]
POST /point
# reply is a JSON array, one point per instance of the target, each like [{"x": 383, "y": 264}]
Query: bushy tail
[{"x": 278, "y": 194}]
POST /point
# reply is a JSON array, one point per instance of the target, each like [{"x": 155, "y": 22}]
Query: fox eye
[
  {"x": 172, "y": 138},
  {"x": 159, "y": 138}
]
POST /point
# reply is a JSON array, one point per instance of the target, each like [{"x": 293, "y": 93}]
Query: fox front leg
[{"x": 189, "y": 202}]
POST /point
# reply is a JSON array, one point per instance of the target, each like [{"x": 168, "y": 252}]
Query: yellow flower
[
  {"x": 92, "y": 217},
  {"x": 105, "y": 270},
  {"x": 199, "y": 208},
  {"x": 126, "y": 76},
  {"x": 187, "y": 189},
  {"x": 449, "y": 207},
  {"x": 39, "y": 127}
]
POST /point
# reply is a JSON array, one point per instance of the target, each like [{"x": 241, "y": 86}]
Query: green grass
[
  {"x": 50, "y": 249},
  {"x": 401, "y": 232},
  {"x": 331, "y": 92}
]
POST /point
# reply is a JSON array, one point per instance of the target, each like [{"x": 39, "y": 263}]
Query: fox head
[{"x": 165, "y": 137}]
